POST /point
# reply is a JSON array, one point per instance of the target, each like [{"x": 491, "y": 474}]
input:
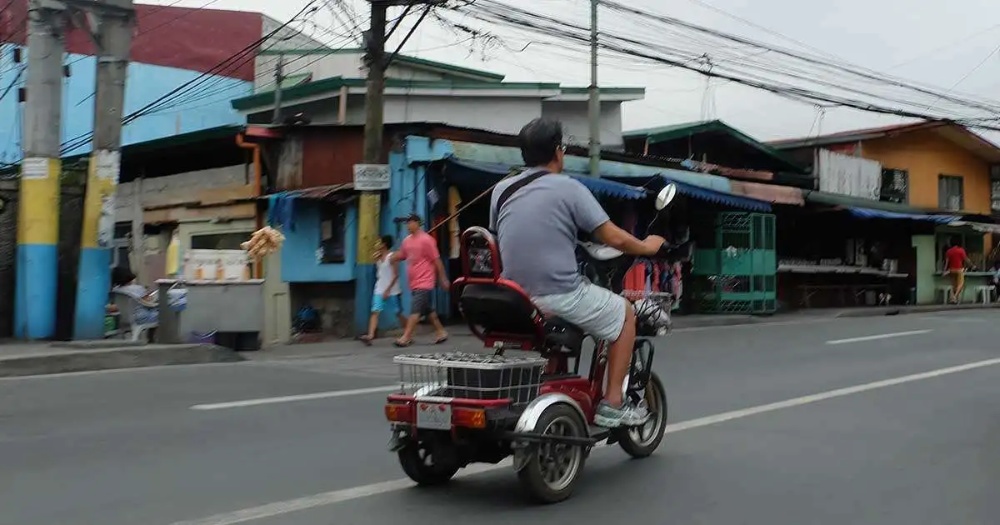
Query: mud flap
[
  {"x": 396, "y": 441},
  {"x": 521, "y": 456}
]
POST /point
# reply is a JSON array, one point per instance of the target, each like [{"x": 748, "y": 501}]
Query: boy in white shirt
[{"x": 386, "y": 293}]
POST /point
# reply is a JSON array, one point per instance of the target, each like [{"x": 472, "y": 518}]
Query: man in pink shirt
[{"x": 423, "y": 268}]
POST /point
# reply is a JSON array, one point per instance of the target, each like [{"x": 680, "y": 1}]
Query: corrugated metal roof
[{"x": 317, "y": 192}]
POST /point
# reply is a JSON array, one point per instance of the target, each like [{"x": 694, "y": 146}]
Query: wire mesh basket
[
  {"x": 471, "y": 376},
  {"x": 652, "y": 311}
]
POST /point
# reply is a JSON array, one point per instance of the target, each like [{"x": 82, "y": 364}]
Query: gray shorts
[
  {"x": 421, "y": 302},
  {"x": 598, "y": 311}
]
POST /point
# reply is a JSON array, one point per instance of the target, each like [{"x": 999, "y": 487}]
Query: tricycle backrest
[
  {"x": 497, "y": 310},
  {"x": 480, "y": 254}
]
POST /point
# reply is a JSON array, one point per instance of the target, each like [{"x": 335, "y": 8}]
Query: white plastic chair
[{"x": 127, "y": 306}]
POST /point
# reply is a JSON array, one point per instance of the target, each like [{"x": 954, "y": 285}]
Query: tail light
[
  {"x": 399, "y": 412},
  {"x": 469, "y": 418}
]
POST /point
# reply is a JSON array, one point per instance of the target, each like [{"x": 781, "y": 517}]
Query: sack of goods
[{"x": 263, "y": 242}]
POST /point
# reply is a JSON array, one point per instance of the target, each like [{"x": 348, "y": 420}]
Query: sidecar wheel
[{"x": 552, "y": 470}]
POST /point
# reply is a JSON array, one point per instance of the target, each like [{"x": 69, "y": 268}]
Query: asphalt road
[{"x": 915, "y": 441}]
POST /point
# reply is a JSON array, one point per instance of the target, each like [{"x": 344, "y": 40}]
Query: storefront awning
[
  {"x": 603, "y": 187},
  {"x": 718, "y": 197},
  {"x": 981, "y": 227},
  {"x": 869, "y": 213}
]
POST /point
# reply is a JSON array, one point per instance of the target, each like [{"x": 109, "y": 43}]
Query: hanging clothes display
[{"x": 647, "y": 276}]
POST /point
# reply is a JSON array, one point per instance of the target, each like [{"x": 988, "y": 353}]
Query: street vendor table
[
  {"x": 848, "y": 293},
  {"x": 231, "y": 307}
]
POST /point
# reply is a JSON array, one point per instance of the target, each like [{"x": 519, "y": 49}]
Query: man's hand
[
  {"x": 652, "y": 244},
  {"x": 385, "y": 294},
  {"x": 445, "y": 285}
]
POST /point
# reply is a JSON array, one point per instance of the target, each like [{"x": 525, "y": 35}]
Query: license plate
[{"x": 433, "y": 416}]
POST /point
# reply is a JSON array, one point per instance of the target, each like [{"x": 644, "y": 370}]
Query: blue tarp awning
[
  {"x": 718, "y": 197},
  {"x": 598, "y": 186},
  {"x": 869, "y": 213}
]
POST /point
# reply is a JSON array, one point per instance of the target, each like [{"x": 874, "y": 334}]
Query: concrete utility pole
[
  {"x": 594, "y": 95},
  {"x": 38, "y": 212},
  {"x": 111, "y": 28}
]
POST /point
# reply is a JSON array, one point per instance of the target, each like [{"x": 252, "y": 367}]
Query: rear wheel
[
  {"x": 553, "y": 468},
  {"x": 640, "y": 442},
  {"x": 418, "y": 462}
]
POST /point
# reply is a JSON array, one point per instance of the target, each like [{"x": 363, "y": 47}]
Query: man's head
[
  {"x": 121, "y": 276},
  {"x": 384, "y": 243},
  {"x": 541, "y": 142},
  {"x": 956, "y": 241},
  {"x": 413, "y": 223}
]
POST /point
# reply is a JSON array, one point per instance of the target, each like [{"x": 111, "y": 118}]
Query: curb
[{"x": 66, "y": 359}]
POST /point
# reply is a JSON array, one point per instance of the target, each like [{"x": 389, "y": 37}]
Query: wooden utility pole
[
  {"x": 369, "y": 203},
  {"x": 279, "y": 77}
]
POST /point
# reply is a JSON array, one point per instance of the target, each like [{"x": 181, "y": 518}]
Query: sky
[{"x": 954, "y": 46}]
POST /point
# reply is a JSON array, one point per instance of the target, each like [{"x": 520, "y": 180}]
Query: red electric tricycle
[{"x": 528, "y": 398}]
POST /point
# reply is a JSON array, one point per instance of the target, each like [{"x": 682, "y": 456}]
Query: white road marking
[
  {"x": 289, "y": 399},
  {"x": 340, "y": 496},
  {"x": 876, "y": 337}
]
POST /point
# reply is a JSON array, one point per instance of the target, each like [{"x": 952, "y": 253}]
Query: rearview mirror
[{"x": 666, "y": 195}]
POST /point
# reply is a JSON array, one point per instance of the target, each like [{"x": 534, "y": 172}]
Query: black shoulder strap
[{"x": 512, "y": 189}]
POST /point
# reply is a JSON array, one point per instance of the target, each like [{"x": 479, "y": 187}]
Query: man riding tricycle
[{"x": 529, "y": 398}]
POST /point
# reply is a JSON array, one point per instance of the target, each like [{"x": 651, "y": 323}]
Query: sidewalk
[{"x": 27, "y": 359}]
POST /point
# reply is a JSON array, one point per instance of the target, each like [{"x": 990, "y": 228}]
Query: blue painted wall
[
  {"x": 204, "y": 105},
  {"x": 298, "y": 253}
]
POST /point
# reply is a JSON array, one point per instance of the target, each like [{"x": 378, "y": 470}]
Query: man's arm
[
  {"x": 609, "y": 233},
  {"x": 591, "y": 217},
  {"x": 398, "y": 255},
  {"x": 441, "y": 274}
]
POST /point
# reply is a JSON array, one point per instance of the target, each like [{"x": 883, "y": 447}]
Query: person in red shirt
[
  {"x": 956, "y": 261},
  {"x": 424, "y": 267}
]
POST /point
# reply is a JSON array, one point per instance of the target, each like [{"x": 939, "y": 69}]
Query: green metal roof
[
  {"x": 172, "y": 141},
  {"x": 687, "y": 129},
  {"x": 485, "y": 76},
  {"x": 328, "y": 85},
  {"x": 836, "y": 199}
]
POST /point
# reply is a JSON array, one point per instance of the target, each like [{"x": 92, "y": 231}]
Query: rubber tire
[
  {"x": 531, "y": 475},
  {"x": 625, "y": 439},
  {"x": 423, "y": 475}
]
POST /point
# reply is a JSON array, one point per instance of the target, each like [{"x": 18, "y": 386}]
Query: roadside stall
[
  {"x": 849, "y": 256},
  {"x": 223, "y": 304}
]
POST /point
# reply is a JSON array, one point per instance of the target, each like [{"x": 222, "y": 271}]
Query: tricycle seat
[{"x": 503, "y": 312}]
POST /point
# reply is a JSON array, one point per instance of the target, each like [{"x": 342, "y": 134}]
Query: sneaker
[{"x": 626, "y": 415}]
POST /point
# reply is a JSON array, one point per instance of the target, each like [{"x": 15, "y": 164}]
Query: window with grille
[{"x": 951, "y": 193}]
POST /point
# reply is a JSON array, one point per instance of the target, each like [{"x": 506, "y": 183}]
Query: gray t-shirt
[{"x": 538, "y": 229}]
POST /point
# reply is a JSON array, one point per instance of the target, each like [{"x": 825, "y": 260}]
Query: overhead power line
[{"x": 746, "y": 72}]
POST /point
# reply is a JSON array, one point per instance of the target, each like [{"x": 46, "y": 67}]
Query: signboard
[
  {"x": 216, "y": 265},
  {"x": 371, "y": 177}
]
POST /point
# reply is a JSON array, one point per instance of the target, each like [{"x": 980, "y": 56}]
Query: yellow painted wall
[{"x": 926, "y": 155}]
